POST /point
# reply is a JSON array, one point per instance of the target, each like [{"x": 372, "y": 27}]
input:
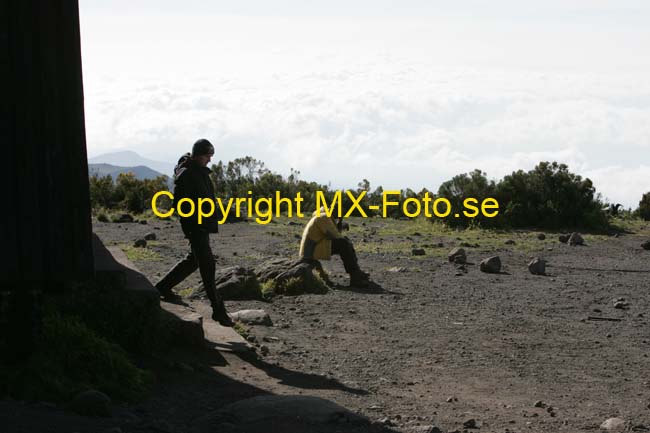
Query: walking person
[{"x": 192, "y": 181}]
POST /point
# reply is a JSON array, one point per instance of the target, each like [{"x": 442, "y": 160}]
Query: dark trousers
[
  {"x": 343, "y": 247},
  {"x": 200, "y": 256}
]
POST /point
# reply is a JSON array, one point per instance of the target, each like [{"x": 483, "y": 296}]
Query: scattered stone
[
  {"x": 140, "y": 243},
  {"x": 91, "y": 403},
  {"x": 646, "y": 245},
  {"x": 576, "y": 239},
  {"x": 539, "y": 403},
  {"x": 252, "y": 317},
  {"x": 418, "y": 251},
  {"x": 510, "y": 242},
  {"x": 457, "y": 255},
  {"x": 124, "y": 218},
  {"x": 397, "y": 269},
  {"x": 150, "y": 237},
  {"x": 613, "y": 424},
  {"x": 293, "y": 223},
  {"x": 264, "y": 350},
  {"x": 537, "y": 266},
  {"x": 621, "y": 304},
  {"x": 234, "y": 283},
  {"x": 491, "y": 265},
  {"x": 470, "y": 423},
  {"x": 143, "y": 222},
  {"x": 564, "y": 238},
  {"x": 541, "y": 236},
  {"x": 417, "y": 234}
]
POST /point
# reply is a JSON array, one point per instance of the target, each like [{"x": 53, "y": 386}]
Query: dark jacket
[{"x": 193, "y": 181}]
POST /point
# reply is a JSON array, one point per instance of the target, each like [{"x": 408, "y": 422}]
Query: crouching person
[
  {"x": 322, "y": 238},
  {"x": 192, "y": 181}
]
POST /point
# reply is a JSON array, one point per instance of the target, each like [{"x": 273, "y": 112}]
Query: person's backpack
[{"x": 182, "y": 165}]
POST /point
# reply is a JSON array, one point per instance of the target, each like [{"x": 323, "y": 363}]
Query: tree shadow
[
  {"x": 297, "y": 379},
  {"x": 373, "y": 288}
]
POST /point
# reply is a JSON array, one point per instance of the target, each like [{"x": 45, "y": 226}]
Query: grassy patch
[
  {"x": 241, "y": 330},
  {"x": 140, "y": 254},
  {"x": 70, "y": 358}
]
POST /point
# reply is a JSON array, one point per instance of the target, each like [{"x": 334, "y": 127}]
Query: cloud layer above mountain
[{"x": 408, "y": 102}]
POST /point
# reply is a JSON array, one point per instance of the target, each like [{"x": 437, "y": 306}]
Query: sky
[{"x": 404, "y": 94}]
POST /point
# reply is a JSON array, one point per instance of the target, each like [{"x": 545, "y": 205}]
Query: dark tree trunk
[{"x": 45, "y": 224}]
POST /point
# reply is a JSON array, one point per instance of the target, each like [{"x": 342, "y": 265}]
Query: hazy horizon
[{"x": 404, "y": 96}]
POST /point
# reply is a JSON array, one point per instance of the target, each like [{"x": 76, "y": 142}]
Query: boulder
[
  {"x": 541, "y": 236},
  {"x": 140, "y": 243},
  {"x": 234, "y": 283},
  {"x": 282, "y": 412},
  {"x": 537, "y": 266},
  {"x": 576, "y": 239},
  {"x": 491, "y": 265},
  {"x": 564, "y": 238},
  {"x": 294, "y": 277},
  {"x": 91, "y": 403},
  {"x": 613, "y": 424},
  {"x": 252, "y": 317},
  {"x": 150, "y": 237},
  {"x": 457, "y": 255}
]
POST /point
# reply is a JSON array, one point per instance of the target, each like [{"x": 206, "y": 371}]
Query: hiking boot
[
  {"x": 359, "y": 279},
  {"x": 170, "y": 296},
  {"x": 219, "y": 314}
]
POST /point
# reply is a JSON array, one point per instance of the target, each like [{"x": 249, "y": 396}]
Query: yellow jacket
[{"x": 317, "y": 237}]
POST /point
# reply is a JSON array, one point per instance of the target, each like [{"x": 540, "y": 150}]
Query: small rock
[
  {"x": 646, "y": 245},
  {"x": 539, "y": 403},
  {"x": 264, "y": 350},
  {"x": 576, "y": 239},
  {"x": 470, "y": 423},
  {"x": 510, "y": 242},
  {"x": 418, "y": 251},
  {"x": 491, "y": 265},
  {"x": 564, "y": 238},
  {"x": 143, "y": 222},
  {"x": 457, "y": 255},
  {"x": 613, "y": 424},
  {"x": 91, "y": 403},
  {"x": 150, "y": 237},
  {"x": 397, "y": 269},
  {"x": 252, "y": 317},
  {"x": 537, "y": 266},
  {"x": 621, "y": 304},
  {"x": 541, "y": 236},
  {"x": 140, "y": 243},
  {"x": 124, "y": 218}
]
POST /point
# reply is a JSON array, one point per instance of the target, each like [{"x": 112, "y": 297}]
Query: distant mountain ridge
[
  {"x": 128, "y": 158},
  {"x": 140, "y": 172}
]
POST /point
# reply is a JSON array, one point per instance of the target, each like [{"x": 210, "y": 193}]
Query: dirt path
[{"x": 437, "y": 348}]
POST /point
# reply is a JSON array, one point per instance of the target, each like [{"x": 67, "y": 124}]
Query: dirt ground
[{"x": 436, "y": 345}]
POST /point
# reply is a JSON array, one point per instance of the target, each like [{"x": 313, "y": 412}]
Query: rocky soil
[{"x": 436, "y": 343}]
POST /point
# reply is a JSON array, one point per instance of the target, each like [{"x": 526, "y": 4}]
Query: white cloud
[{"x": 341, "y": 101}]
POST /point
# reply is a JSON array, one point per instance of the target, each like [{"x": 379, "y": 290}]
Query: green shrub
[
  {"x": 70, "y": 357},
  {"x": 102, "y": 217},
  {"x": 120, "y": 316}
]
